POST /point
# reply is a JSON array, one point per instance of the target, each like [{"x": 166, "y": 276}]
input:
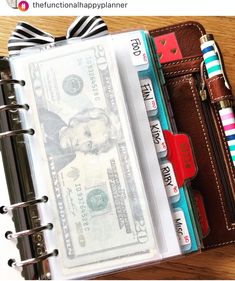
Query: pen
[{"x": 213, "y": 63}]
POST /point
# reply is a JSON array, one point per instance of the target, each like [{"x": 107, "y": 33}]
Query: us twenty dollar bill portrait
[
  {"x": 91, "y": 164},
  {"x": 91, "y": 157}
]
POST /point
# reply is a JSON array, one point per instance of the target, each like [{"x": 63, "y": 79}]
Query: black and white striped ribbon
[{"x": 25, "y": 35}]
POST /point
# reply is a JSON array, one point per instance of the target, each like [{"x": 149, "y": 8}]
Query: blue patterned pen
[{"x": 213, "y": 63}]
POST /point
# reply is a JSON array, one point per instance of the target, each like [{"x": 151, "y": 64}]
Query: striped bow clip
[{"x": 25, "y": 35}]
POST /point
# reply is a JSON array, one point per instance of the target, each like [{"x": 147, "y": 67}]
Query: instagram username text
[{"x": 83, "y": 5}]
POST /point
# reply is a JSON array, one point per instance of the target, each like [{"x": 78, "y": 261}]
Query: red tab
[
  {"x": 180, "y": 154},
  {"x": 168, "y": 48},
  {"x": 201, "y": 213}
]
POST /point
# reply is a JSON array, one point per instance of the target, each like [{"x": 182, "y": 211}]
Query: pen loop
[{"x": 217, "y": 50}]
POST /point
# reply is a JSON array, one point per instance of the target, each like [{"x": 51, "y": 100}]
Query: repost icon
[{"x": 21, "y": 5}]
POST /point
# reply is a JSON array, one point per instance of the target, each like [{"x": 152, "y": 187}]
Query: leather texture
[
  {"x": 200, "y": 120},
  {"x": 217, "y": 89}
]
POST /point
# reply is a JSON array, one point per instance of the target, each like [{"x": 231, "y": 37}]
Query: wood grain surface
[{"x": 213, "y": 264}]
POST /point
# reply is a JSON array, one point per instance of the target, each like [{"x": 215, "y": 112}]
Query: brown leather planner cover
[{"x": 196, "y": 113}]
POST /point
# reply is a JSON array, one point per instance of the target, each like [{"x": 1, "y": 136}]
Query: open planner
[{"x": 96, "y": 175}]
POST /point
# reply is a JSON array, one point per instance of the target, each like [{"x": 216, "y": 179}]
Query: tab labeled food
[{"x": 137, "y": 49}]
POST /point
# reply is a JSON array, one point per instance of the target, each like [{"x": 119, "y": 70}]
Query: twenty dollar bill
[{"x": 94, "y": 179}]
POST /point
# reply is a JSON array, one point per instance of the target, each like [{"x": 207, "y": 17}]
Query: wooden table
[{"x": 213, "y": 264}]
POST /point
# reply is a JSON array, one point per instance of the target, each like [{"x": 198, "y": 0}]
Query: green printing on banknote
[{"x": 91, "y": 169}]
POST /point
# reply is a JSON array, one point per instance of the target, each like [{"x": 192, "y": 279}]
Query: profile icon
[
  {"x": 23, "y": 6},
  {"x": 18, "y": 4}
]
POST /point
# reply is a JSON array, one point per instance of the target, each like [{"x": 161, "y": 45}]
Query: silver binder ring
[
  {"x": 12, "y": 81},
  {"x": 6, "y": 209},
  {"x": 13, "y": 107},
  {"x": 16, "y": 133},
  {"x": 14, "y": 263},
  {"x": 10, "y": 235}
]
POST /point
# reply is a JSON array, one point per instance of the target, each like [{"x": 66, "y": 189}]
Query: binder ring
[
  {"x": 14, "y": 263},
  {"x": 12, "y": 81},
  {"x": 13, "y": 107},
  {"x": 9, "y": 235},
  {"x": 5, "y": 209},
  {"x": 16, "y": 132}
]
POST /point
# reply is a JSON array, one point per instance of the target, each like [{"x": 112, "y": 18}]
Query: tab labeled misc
[{"x": 181, "y": 228}]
